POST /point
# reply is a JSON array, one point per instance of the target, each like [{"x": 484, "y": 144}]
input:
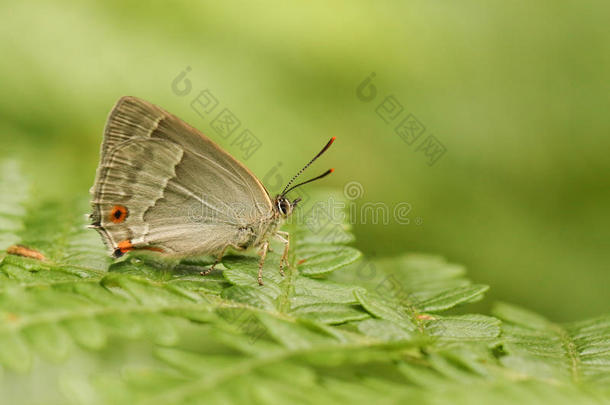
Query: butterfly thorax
[
  {"x": 265, "y": 228},
  {"x": 255, "y": 234}
]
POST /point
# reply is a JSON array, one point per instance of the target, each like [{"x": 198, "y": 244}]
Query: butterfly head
[{"x": 283, "y": 206}]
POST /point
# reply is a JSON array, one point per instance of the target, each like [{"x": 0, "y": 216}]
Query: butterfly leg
[
  {"x": 218, "y": 259},
  {"x": 284, "y": 237},
  {"x": 263, "y": 253}
]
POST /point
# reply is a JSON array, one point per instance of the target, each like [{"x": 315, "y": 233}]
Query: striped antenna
[{"x": 324, "y": 149}]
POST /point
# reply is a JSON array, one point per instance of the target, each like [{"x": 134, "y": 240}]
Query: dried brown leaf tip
[{"x": 20, "y": 250}]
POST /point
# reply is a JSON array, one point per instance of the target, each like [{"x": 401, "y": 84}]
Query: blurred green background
[{"x": 517, "y": 92}]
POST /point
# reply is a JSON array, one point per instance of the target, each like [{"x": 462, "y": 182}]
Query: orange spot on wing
[
  {"x": 125, "y": 246},
  {"x": 118, "y": 214}
]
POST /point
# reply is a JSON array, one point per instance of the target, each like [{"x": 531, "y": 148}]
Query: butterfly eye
[{"x": 283, "y": 206}]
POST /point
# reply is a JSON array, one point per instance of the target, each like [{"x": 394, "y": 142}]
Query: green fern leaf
[
  {"x": 536, "y": 347},
  {"x": 335, "y": 328}
]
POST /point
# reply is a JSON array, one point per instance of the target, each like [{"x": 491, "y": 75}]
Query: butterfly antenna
[
  {"x": 326, "y": 173},
  {"x": 324, "y": 149}
]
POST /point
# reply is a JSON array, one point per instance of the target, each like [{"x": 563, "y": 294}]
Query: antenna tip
[
  {"x": 331, "y": 170},
  {"x": 333, "y": 139}
]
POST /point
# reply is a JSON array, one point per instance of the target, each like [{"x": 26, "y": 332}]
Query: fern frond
[
  {"x": 336, "y": 328},
  {"x": 537, "y": 347}
]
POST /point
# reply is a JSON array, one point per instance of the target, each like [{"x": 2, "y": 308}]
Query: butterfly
[{"x": 163, "y": 186}]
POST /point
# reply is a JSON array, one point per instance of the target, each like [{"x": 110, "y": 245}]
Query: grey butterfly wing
[{"x": 163, "y": 185}]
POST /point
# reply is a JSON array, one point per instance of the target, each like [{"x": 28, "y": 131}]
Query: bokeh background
[{"x": 517, "y": 93}]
